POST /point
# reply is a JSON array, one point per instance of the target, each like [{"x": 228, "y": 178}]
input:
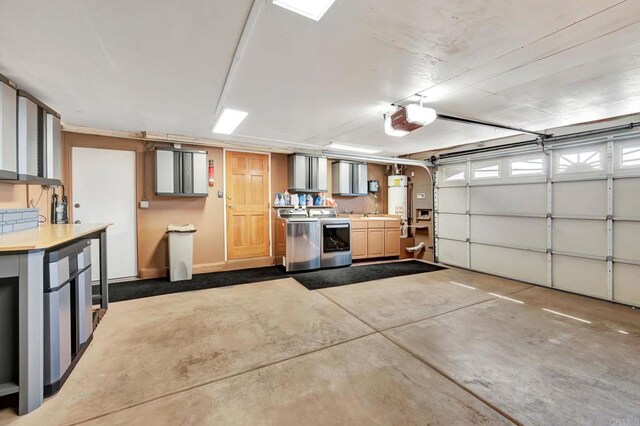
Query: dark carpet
[
  {"x": 325, "y": 278},
  {"x": 138, "y": 289},
  {"x": 128, "y": 290}
]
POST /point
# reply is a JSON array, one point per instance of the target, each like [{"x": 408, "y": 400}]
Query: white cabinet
[
  {"x": 39, "y": 137},
  {"x": 307, "y": 173},
  {"x": 349, "y": 179},
  {"x": 8, "y": 130},
  {"x": 181, "y": 173}
]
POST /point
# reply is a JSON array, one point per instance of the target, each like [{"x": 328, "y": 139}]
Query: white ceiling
[{"x": 160, "y": 66}]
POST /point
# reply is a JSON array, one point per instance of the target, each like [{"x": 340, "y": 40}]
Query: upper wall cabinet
[
  {"x": 307, "y": 173},
  {"x": 8, "y": 130},
  {"x": 181, "y": 173},
  {"x": 39, "y": 135},
  {"x": 349, "y": 179}
]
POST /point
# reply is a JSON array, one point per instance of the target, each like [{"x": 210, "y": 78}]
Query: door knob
[
  {"x": 77, "y": 222},
  {"x": 230, "y": 206},
  {"x": 76, "y": 205}
]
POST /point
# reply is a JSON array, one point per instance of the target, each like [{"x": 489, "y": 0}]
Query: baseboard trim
[{"x": 203, "y": 268}]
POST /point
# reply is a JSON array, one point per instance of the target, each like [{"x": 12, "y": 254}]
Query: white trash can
[{"x": 180, "y": 251}]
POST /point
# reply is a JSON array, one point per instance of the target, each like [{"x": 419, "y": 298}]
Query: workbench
[{"x": 22, "y": 256}]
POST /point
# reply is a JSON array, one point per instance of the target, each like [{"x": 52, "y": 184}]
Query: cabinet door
[
  {"x": 165, "y": 166},
  {"x": 322, "y": 175},
  {"x": 392, "y": 242},
  {"x": 359, "y": 243},
  {"x": 200, "y": 173},
  {"x": 280, "y": 238},
  {"x": 375, "y": 243}
]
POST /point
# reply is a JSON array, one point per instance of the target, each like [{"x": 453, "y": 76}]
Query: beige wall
[
  {"x": 368, "y": 203},
  {"x": 421, "y": 182},
  {"x": 207, "y": 214},
  {"x": 18, "y": 196}
]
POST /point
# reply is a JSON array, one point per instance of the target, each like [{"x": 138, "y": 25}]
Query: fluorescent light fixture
[
  {"x": 342, "y": 147},
  {"x": 623, "y": 332},
  {"x": 420, "y": 115},
  {"x": 313, "y": 9},
  {"x": 228, "y": 121},
  {"x": 389, "y": 130}
]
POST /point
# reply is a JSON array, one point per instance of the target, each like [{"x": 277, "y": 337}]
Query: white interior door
[{"x": 104, "y": 191}]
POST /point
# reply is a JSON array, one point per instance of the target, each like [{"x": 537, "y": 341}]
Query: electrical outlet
[{"x": 144, "y": 204}]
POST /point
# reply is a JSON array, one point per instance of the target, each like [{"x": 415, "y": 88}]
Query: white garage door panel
[
  {"x": 587, "y": 198},
  {"x": 626, "y": 283},
  {"x": 588, "y": 237},
  {"x": 583, "y": 276},
  {"x": 516, "y": 264},
  {"x": 509, "y": 199},
  {"x": 452, "y": 252},
  {"x": 626, "y": 241},
  {"x": 626, "y": 199},
  {"x": 512, "y": 231},
  {"x": 452, "y": 226},
  {"x": 452, "y": 200}
]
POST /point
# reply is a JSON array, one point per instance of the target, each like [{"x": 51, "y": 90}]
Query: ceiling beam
[{"x": 252, "y": 18}]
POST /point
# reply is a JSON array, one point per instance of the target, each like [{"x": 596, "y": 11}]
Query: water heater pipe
[{"x": 415, "y": 249}]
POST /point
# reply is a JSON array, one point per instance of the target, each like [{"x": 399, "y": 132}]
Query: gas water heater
[{"x": 397, "y": 199}]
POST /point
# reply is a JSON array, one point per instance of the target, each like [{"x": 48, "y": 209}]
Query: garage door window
[
  {"x": 527, "y": 166},
  {"x": 630, "y": 157},
  {"x": 580, "y": 161},
  {"x": 455, "y": 173},
  {"x": 486, "y": 170}
]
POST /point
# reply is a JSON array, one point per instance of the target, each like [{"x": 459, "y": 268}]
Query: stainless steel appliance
[
  {"x": 302, "y": 240},
  {"x": 335, "y": 248},
  {"x": 68, "y": 324}
]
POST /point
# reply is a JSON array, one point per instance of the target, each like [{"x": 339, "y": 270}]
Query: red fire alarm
[{"x": 211, "y": 177}]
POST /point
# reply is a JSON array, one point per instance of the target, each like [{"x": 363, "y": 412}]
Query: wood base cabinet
[
  {"x": 375, "y": 238},
  {"x": 359, "y": 240},
  {"x": 375, "y": 247},
  {"x": 280, "y": 237},
  {"x": 392, "y": 242}
]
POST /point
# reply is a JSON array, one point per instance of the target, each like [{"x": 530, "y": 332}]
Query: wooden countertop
[
  {"x": 378, "y": 217},
  {"x": 47, "y": 236}
]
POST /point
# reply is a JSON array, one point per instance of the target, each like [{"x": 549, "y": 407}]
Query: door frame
[
  {"x": 68, "y": 149},
  {"x": 224, "y": 185}
]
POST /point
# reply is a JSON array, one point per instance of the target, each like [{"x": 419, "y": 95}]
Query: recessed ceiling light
[
  {"x": 313, "y": 9},
  {"x": 341, "y": 147},
  {"x": 228, "y": 121}
]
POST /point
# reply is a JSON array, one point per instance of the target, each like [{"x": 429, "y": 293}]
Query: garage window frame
[
  {"x": 573, "y": 163},
  {"x": 488, "y": 167},
  {"x": 528, "y": 173}
]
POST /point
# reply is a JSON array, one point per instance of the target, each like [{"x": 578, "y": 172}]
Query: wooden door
[
  {"x": 375, "y": 243},
  {"x": 247, "y": 188},
  {"x": 392, "y": 242}
]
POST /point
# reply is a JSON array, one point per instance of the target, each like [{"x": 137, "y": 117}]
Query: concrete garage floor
[{"x": 446, "y": 347}]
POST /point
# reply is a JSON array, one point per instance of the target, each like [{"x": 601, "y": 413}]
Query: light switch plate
[
  {"x": 144, "y": 204},
  {"x": 220, "y": 194}
]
